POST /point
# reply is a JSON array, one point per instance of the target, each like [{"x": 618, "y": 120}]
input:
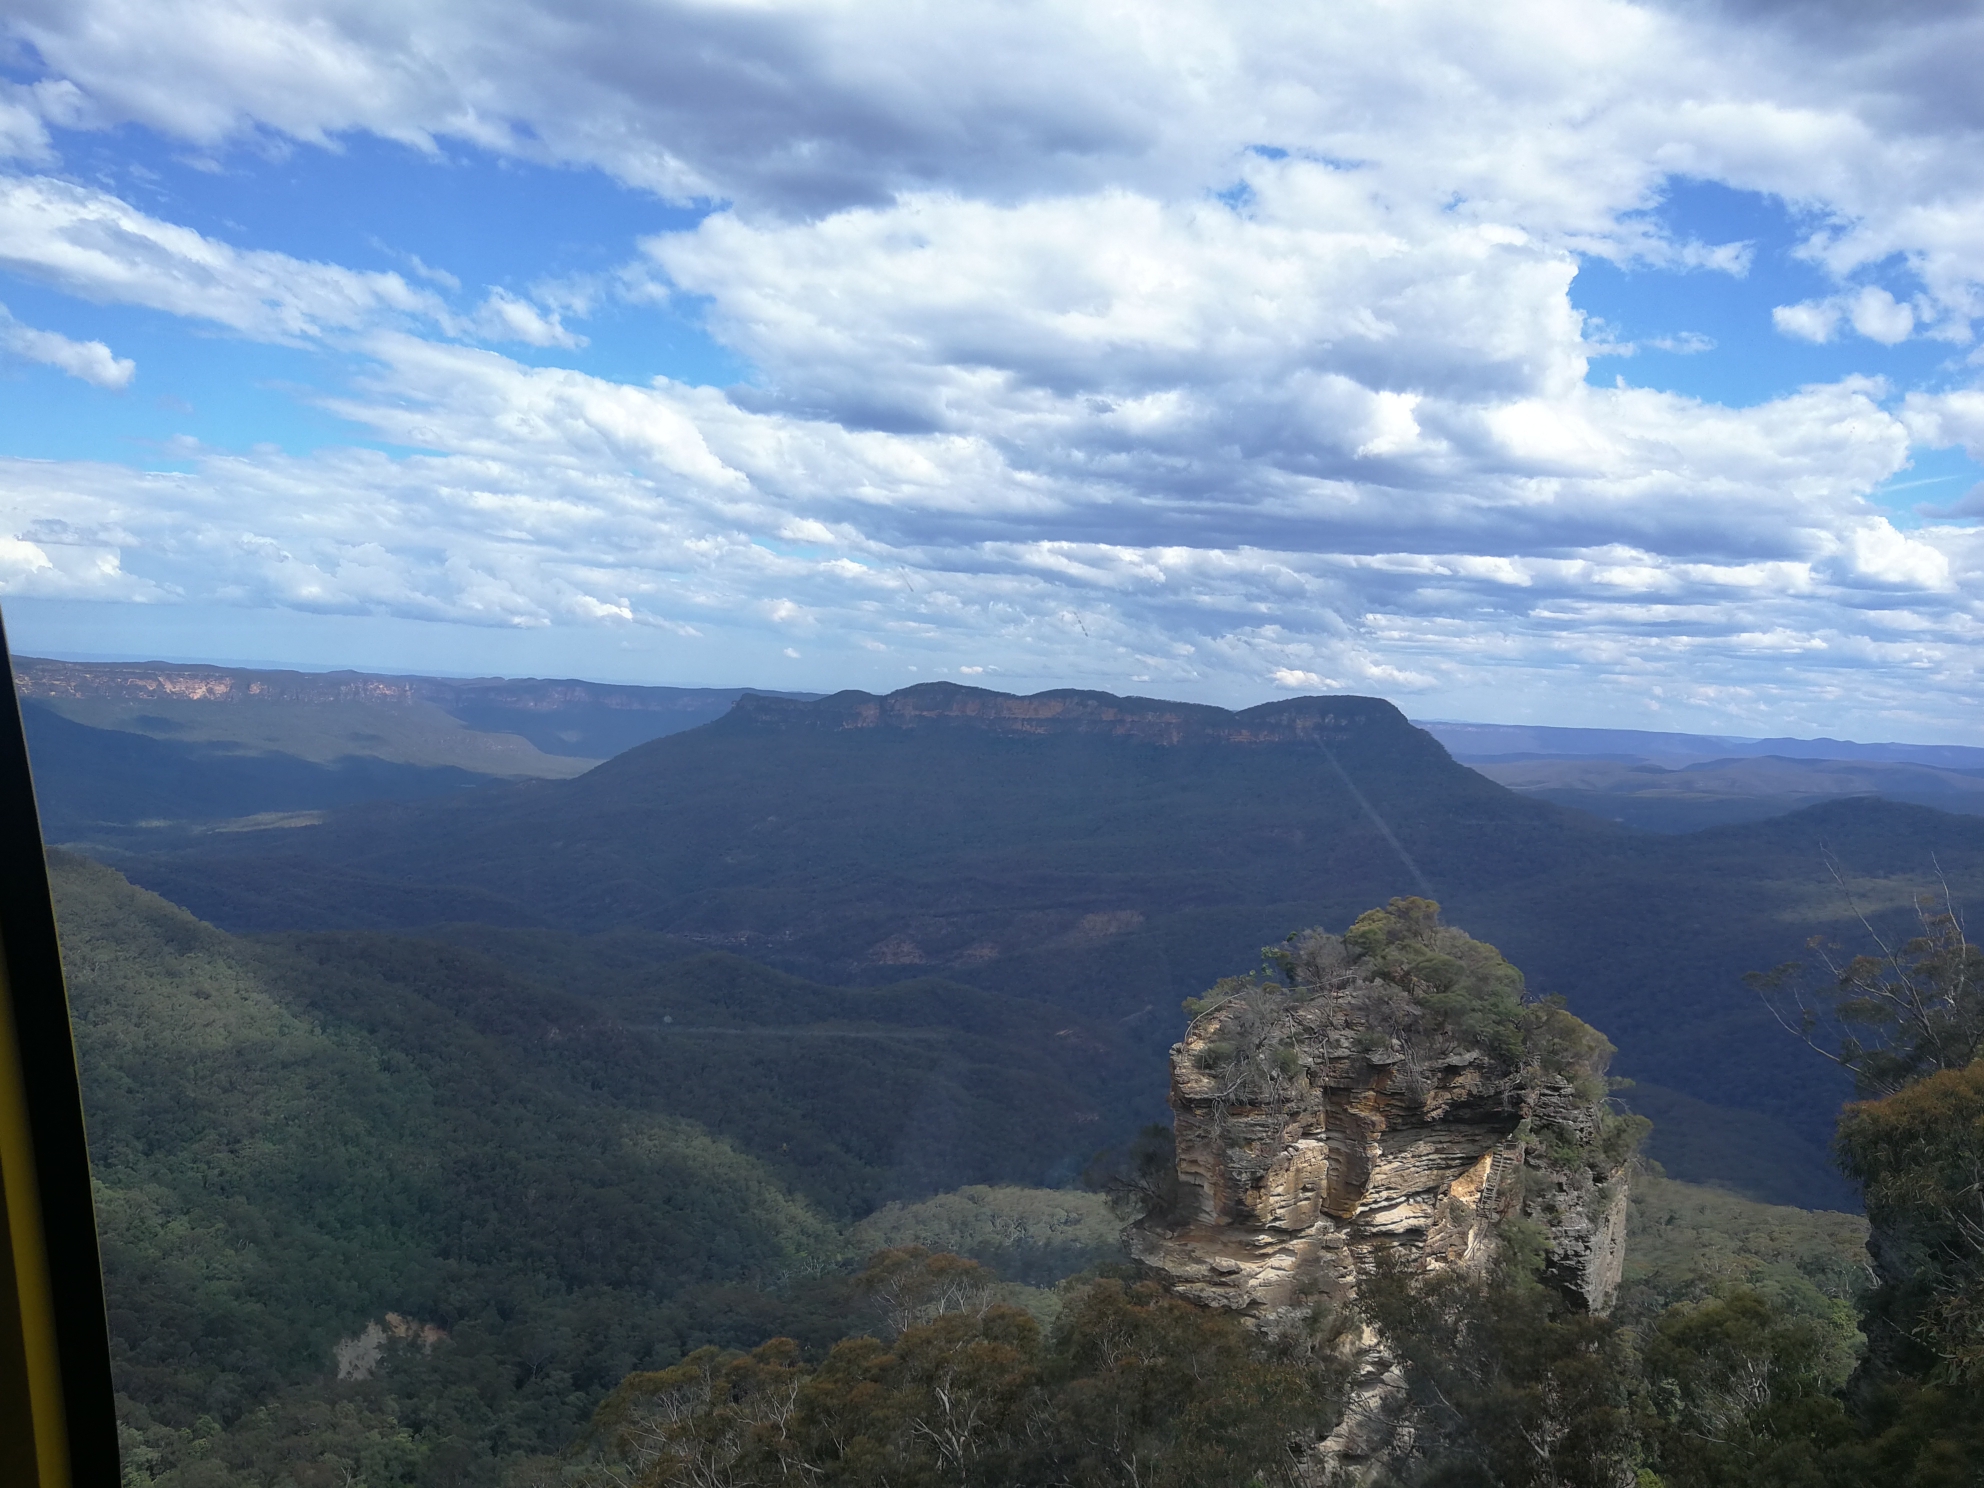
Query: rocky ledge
[{"x": 1388, "y": 1098}]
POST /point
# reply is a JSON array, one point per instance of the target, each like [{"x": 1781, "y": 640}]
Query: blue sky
[{"x": 1583, "y": 363}]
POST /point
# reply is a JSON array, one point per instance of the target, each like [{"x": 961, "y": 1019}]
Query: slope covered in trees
[
  {"x": 1112, "y": 856},
  {"x": 473, "y": 1182},
  {"x": 1732, "y": 1359},
  {"x": 295, "y": 1138}
]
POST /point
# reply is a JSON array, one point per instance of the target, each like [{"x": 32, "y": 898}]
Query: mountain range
[
  {"x": 1110, "y": 856},
  {"x": 402, "y": 1208},
  {"x": 1684, "y": 782}
]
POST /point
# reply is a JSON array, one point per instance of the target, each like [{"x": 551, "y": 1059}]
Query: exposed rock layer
[
  {"x": 1329, "y": 721},
  {"x": 1389, "y": 1102},
  {"x": 150, "y": 681}
]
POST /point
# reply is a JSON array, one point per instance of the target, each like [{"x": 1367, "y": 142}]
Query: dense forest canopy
[
  {"x": 1114, "y": 855},
  {"x": 375, "y": 1212},
  {"x": 1704, "y": 1374}
]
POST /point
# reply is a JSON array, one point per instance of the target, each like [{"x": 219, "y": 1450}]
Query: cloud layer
[
  {"x": 91, "y": 361},
  {"x": 1202, "y": 348}
]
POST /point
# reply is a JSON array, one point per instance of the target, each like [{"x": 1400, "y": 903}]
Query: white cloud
[
  {"x": 91, "y": 361},
  {"x": 1301, "y": 681},
  {"x": 1879, "y": 317},
  {"x": 1685, "y": 343},
  {"x": 23, "y": 136},
  {"x": 504, "y": 317},
  {"x": 1048, "y": 355},
  {"x": 1811, "y": 320},
  {"x": 1940, "y": 420},
  {"x": 98, "y": 247},
  {"x": 1554, "y": 113},
  {"x": 1310, "y": 327},
  {"x": 1553, "y": 119},
  {"x": 1873, "y": 312},
  {"x": 1671, "y": 537},
  {"x": 26, "y": 111}
]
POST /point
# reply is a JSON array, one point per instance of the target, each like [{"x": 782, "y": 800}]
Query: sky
[{"x": 1586, "y": 363}]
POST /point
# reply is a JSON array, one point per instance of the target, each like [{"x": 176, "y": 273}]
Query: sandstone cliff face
[
  {"x": 1387, "y": 1100},
  {"x": 1332, "y": 722},
  {"x": 157, "y": 681}
]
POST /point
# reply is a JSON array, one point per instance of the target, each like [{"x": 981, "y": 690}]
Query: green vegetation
[
  {"x": 1465, "y": 986},
  {"x": 269, "y": 1181},
  {"x": 1028, "y": 1235},
  {"x": 401, "y": 730},
  {"x": 1688, "y": 1245},
  {"x": 1920, "y": 1154},
  {"x": 1732, "y": 1359},
  {"x": 1700, "y": 1381},
  {"x": 1112, "y": 875},
  {"x": 301, "y": 1138},
  {"x": 1131, "y": 1387},
  {"x": 463, "y": 1172},
  {"x": 1723, "y": 1364}
]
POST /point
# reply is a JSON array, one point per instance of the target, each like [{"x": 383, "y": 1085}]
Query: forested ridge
[
  {"x": 294, "y": 1137},
  {"x": 298, "y": 1139},
  {"x": 1123, "y": 854},
  {"x": 1731, "y": 1358}
]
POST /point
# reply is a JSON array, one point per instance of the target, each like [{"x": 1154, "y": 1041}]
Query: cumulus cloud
[
  {"x": 1667, "y": 555},
  {"x": 1809, "y": 320},
  {"x": 99, "y": 247},
  {"x": 1872, "y": 312},
  {"x": 1213, "y": 342},
  {"x": 1551, "y": 110},
  {"x": 91, "y": 361},
  {"x": 504, "y": 317},
  {"x": 1941, "y": 420},
  {"x": 1565, "y": 116},
  {"x": 1301, "y": 681},
  {"x": 1878, "y": 316}
]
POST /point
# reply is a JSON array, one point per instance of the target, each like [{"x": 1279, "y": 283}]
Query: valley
[
  {"x": 1685, "y": 782},
  {"x": 1111, "y": 856},
  {"x": 408, "y": 1209},
  {"x": 510, "y": 1075}
]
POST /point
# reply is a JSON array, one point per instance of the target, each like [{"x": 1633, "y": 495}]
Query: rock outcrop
[
  {"x": 162, "y": 682},
  {"x": 1388, "y": 1099},
  {"x": 1336, "y": 723}
]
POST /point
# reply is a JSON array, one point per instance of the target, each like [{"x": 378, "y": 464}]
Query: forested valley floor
[{"x": 390, "y": 1210}]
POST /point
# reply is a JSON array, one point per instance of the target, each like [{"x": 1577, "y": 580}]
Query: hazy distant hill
[
  {"x": 1473, "y": 742},
  {"x": 1720, "y": 792},
  {"x": 940, "y": 826},
  {"x": 1685, "y": 782},
  {"x": 150, "y": 750},
  {"x": 97, "y": 782},
  {"x": 117, "y": 744},
  {"x": 1114, "y": 855}
]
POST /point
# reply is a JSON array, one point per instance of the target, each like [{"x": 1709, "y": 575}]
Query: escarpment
[{"x": 1385, "y": 1100}]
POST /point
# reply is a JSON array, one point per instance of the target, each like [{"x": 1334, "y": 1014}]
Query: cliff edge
[{"x": 1385, "y": 1099}]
